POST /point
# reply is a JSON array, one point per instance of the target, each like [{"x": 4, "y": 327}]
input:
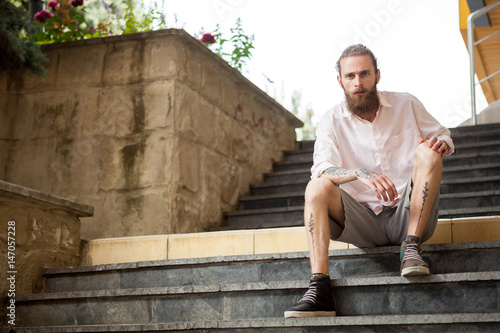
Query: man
[{"x": 375, "y": 179}]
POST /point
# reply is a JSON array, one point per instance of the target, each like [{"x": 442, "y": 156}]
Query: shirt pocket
[{"x": 402, "y": 147}]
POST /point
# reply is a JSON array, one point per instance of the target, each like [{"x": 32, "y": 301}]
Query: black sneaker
[{"x": 317, "y": 301}]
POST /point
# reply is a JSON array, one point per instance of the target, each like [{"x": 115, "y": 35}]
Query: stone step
[
  {"x": 469, "y": 184},
  {"x": 272, "y": 201},
  {"x": 266, "y": 267},
  {"x": 449, "y": 172},
  {"x": 480, "y": 199},
  {"x": 467, "y": 171},
  {"x": 452, "y": 322},
  {"x": 292, "y": 215},
  {"x": 471, "y": 292}
]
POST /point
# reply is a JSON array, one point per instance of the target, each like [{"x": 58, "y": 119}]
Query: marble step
[{"x": 474, "y": 292}]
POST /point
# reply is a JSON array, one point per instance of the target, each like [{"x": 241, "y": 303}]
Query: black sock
[
  {"x": 319, "y": 275},
  {"x": 415, "y": 238}
]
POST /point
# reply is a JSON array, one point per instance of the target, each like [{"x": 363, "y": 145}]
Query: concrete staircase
[
  {"x": 470, "y": 184},
  {"x": 250, "y": 293},
  {"x": 201, "y": 286}
]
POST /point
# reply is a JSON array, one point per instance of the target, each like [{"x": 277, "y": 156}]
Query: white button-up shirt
[{"x": 385, "y": 146}]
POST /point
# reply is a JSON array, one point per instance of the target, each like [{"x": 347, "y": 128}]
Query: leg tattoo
[
  {"x": 311, "y": 228},
  {"x": 425, "y": 194}
]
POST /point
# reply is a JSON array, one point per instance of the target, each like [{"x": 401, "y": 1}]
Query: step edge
[
  {"x": 374, "y": 320},
  {"x": 463, "y": 277},
  {"x": 339, "y": 253}
]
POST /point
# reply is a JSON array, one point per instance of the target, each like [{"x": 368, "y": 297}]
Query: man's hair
[{"x": 355, "y": 50}]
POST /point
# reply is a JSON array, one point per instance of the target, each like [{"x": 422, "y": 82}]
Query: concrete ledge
[
  {"x": 258, "y": 242},
  {"x": 45, "y": 200}
]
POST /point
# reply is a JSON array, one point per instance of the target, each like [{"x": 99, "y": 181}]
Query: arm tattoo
[
  {"x": 425, "y": 193},
  {"x": 361, "y": 173}
]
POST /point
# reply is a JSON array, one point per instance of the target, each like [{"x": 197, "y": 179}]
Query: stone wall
[
  {"x": 37, "y": 230},
  {"x": 155, "y": 131}
]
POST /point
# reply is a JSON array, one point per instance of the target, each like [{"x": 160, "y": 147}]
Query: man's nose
[{"x": 357, "y": 82}]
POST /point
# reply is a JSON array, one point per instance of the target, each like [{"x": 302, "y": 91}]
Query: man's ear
[
  {"x": 339, "y": 80},
  {"x": 378, "y": 76}
]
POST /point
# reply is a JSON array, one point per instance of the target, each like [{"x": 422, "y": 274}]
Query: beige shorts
[{"x": 363, "y": 228}]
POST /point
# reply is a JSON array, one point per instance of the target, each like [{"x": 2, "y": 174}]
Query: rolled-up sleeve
[
  {"x": 429, "y": 126},
  {"x": 326, "y": 153}
]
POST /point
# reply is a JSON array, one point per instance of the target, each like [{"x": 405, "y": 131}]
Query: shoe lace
[
  {"x": 411, "y": 252},
  {"x": 310, "y": 295}
]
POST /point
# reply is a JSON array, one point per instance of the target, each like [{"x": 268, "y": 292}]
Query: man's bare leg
[
  {"x": 322, "y": 199},
  {"x": 426, "y": 180}
]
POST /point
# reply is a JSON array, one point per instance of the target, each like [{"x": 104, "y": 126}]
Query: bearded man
[{"x": 375, "y": 179}]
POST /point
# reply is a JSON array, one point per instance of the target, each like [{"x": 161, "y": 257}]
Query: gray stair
[
  {"x": 470, "y": 184},
  {"x": 251, "y": 292}
]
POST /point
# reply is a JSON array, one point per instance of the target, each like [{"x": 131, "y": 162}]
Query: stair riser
[
  {"x": 461, "y": 139},
  {"x": 472, "y": 202},
  {"x": 384, "y": 264},
  {"x": 485, "y": 172},
  {"x": 455, "y": 297},
  {"x": 297, "y": 157},
  {"x": 463, "y": 161},
  {"x": 293, "y": 166},
  {"x": 269, "y": 218},
  {"x": 274, "y": 203},
  {"x": 477, "y": 149},
  {"x": 447, "y": 174},
  {"x": 278, "y": 179},
  {"x": 279, "y": 189},
  {"x": 470, "y": 186}
]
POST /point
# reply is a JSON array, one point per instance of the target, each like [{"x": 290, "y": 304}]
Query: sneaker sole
[
  {"x": 415, "y": 271},
  {"x": 309, "y": 314}
]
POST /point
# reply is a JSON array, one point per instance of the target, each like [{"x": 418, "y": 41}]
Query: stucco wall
[{"x": 155, "y": 131}]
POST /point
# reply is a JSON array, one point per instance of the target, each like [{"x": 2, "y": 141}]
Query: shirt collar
[{"x": 381, "y": 97}]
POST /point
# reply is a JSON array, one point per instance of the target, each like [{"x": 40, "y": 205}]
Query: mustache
[{"x": 360, "y": 90}]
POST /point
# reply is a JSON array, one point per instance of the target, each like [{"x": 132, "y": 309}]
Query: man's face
[{"x": 359, "y": 81}]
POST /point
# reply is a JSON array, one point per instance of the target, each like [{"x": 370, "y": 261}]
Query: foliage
[
  {"x": 18, "y": 55},
  {"x": 308, "y": 131},
  {"x": 240, "y": 44},
  {"x": 68, "y": 22}
]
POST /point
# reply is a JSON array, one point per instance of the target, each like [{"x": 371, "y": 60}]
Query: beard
[{"x": 365, "y": 104}]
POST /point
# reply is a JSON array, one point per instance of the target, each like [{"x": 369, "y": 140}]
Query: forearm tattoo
[
  {"x": 361, "y": 173},
  {"x": 425, "y": 193}
]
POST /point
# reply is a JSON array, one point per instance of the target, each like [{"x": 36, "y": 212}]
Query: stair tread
[
  {"x": 470, "y": 210},
  {"x": 473, "y": 194},
  {"x": 262, "y": 286},
  {"x": 279, "y": 323},
  {"x": 337, "y": 254}
]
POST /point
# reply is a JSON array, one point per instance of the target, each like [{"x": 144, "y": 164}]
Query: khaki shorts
[{"x": 363, "y": 228}]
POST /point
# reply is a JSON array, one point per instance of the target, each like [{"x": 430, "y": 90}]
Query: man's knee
[
  {"x": 427, "y": 158},
  {"x": 321, "y": 190}
]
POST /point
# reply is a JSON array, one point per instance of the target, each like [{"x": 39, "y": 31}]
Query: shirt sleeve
[
  {"x": 429, "y": 126},
  {"x": 326, "y": 152}
]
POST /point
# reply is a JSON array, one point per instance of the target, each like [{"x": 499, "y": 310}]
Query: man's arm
[{"x": 381, "y": 185}]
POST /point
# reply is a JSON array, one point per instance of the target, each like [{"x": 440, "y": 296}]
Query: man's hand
[
  {"x": 438, "y": 145},
  {"x": 381, "y": 185}
]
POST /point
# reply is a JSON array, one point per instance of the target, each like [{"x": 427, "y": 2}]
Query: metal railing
[{"x": 471, "y": 44}]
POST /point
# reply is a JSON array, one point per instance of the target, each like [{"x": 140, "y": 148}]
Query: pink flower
[
  {"x": 76, "y": 3},
  {"x": 42, "y": 16},
  {"x": 53, "y": 5},
  {"x": 207, "y": 38}
]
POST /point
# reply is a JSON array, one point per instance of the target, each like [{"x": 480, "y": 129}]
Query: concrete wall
[
  {"x": 37, "y": 230},
  {"x": 155, "y": 131}
]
